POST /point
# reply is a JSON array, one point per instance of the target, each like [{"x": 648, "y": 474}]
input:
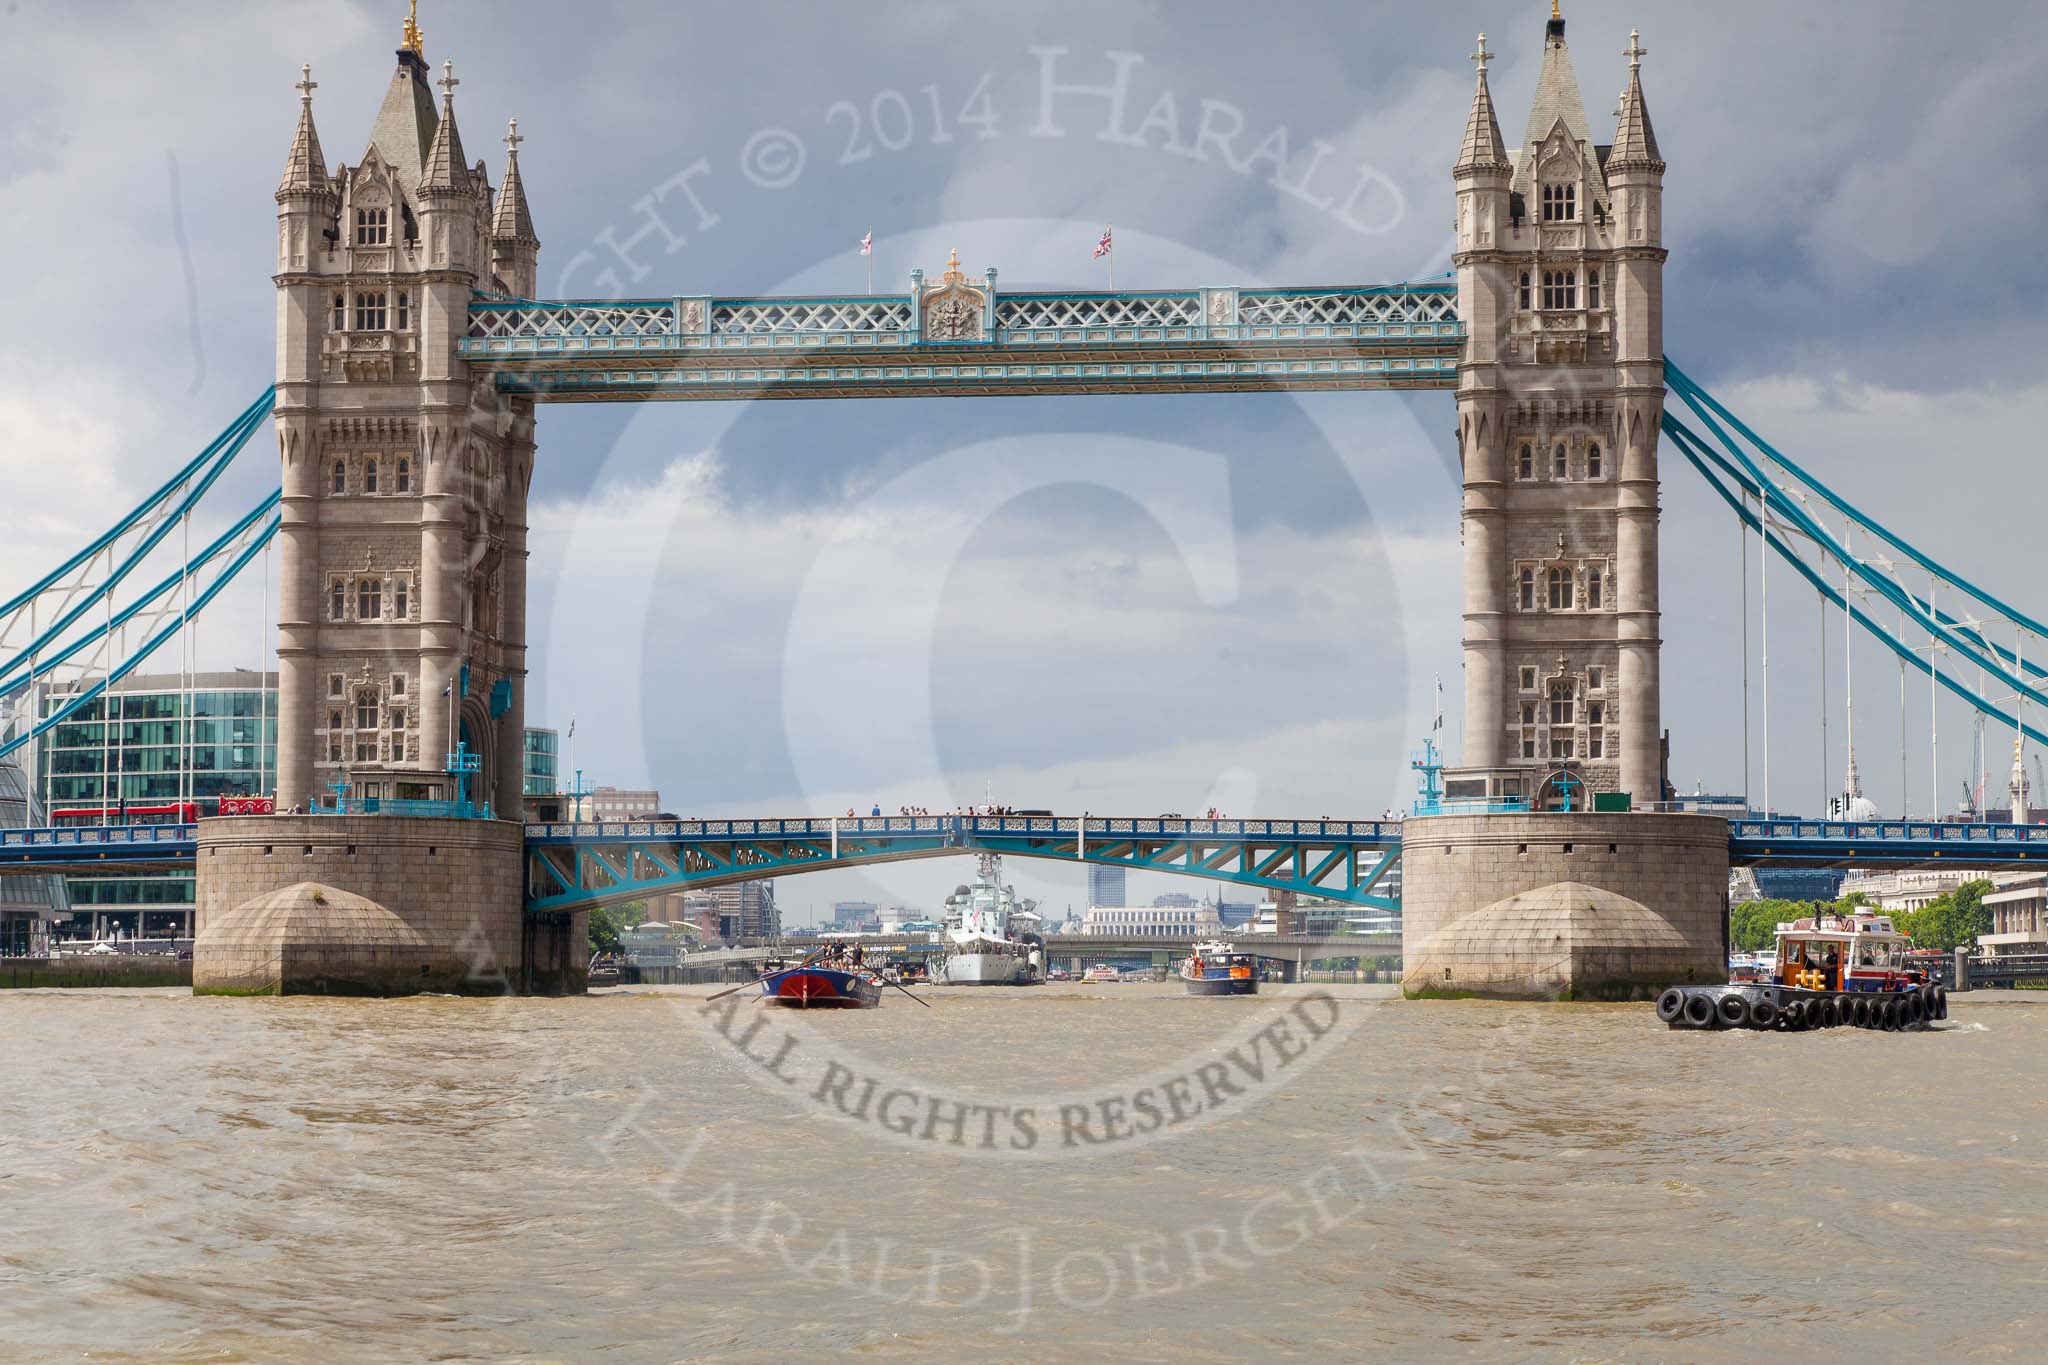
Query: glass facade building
[
  {"x": 150, "y": 742},
  {"x": 1105, "y": 885},
  {"x": 543, "y": 761}
]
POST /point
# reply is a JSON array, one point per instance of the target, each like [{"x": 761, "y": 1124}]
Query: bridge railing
[
  {"x": 88, "y": 836},
  {"x": 1099, "y": 828},
  {"x": 1890, "y": 831}
]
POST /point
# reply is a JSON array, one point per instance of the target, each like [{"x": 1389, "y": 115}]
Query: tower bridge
[{"x": 412, "y": 358}]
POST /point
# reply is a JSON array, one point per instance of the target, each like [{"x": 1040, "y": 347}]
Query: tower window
[
  {"x": 366, "y": 709},
  {"x": 1560, "y": 203},
  {"x": 1561, "y": 589},
  {"x": 400, "y": 608},
  {"x": 398, "y": 717},
  {"x": 370, "y": 313},
  {"x": 1592, "y": 590},
  {"x": 1528, "y": 713},
  {"x": 337, "y": 601},
  {"x": 341, "y": 312},
  {"x": 1592, "y": 288},
  {"x": 405, "y": 310},
  {"x": 404, "y": 475},
  {"x": 370, "y": 475},
  {"x": 1528, "y": 594},
  {"x": 1593, "y": 460},
  {"x": 1524, "y": 292},
  {"x": 340, "y": 481},
  {"x": 1595, "y": 675},
  {"x": 1560, "y": 289},
  {"x": 1528, "y": 466},
  {"x": 373, "y": 227},
  {"x": 1563, "y": 702},
  {"x": 1560, "y": 746},
  {"x": 1528, "y": 679},
  {"x": 1559, "y": 468},
  {"x": 369, "y": 600}
]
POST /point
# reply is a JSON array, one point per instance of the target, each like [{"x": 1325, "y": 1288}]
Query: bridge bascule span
[{"x": 582, "y": 866}]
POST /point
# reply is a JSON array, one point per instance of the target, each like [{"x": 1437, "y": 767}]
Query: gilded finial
[
  {"x": 414, "y": 41},
  {"x": 1554, "y": 14}
]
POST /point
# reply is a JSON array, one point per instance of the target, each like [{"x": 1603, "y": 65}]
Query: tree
[
  {"x": 607, "y": 922},
  {"x": 1950, "y": 920}
]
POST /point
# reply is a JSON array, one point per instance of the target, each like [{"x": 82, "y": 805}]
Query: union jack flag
[
  {"x": 1102, "y": 248},
  {"x": 867, "y": 243}
]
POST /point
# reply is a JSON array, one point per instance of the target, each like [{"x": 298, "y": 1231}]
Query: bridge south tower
[
  {"x": 402, "y": 609},
  {"x": 1560, "y": 393}
]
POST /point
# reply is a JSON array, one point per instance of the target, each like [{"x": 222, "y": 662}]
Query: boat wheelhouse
[{"x": 1219, "y": 969}]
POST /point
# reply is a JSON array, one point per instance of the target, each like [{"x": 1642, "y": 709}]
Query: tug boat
[
  {"x": 1219, "y": 969},
  {"x": 818, "y": 986},
  {"x": 1828, "y": 971}
]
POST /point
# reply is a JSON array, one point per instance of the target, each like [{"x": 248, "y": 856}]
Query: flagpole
[{"x": 1110, "y": 228}]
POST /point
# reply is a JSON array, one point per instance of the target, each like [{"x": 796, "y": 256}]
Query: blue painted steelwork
[
  {"x": 132, "y": 846},
  {"x": 1885, "y": 843},
  {"x": 1701, "y": 455},
  {"x": 260, "y": 537},
  {"x": 577, "y": 865},
  {"x": 1139, "y": 341}
]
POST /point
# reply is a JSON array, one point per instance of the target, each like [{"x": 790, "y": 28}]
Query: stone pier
[{"x": 1542, "y": 906}]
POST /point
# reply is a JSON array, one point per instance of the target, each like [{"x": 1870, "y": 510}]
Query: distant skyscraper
[{"x": 1105, "y": 885}]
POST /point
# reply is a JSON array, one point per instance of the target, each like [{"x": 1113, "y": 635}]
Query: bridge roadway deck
[{"x": 628, "y": 858}]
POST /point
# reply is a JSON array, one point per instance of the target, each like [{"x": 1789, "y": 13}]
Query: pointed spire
[
  {"x": 445, "y": 169},
  {"x": 304, "y": 171},
  {"x": 1635, "y": 141},
  {"x": 511, "y": 221},
  {"x": 1482, "y": 149}
]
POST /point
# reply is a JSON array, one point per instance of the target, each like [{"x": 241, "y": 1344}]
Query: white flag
[{"x": 867, "y": 243}]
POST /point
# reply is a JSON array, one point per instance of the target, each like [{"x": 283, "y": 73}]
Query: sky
[{"x": 1125, "y": 605}]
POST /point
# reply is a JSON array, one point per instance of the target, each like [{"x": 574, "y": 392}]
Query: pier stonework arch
[{"x": 1560, "y": 262}]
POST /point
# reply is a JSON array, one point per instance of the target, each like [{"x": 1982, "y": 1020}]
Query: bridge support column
[{"x": 1542, "y": 906}]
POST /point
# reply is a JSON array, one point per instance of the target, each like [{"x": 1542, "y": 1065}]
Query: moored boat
[
  {"x": 817, "y": 986},
  {"x": 1102, "y": 973},
  {"x": 1219, "y": 969},
  {"x": 1829, "y": 970}
]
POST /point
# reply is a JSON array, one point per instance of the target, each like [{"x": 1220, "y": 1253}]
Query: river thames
[{"x": 651, "y": 1177}]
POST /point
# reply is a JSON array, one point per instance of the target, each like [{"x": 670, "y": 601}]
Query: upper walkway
[{"x": 965, "y": 337}]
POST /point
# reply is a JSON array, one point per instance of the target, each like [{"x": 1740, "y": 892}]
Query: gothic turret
[
  {"x": 304, "y": 171},
  {"x": 2016, "y": 787},
  {"x": 513, "y": 243}
]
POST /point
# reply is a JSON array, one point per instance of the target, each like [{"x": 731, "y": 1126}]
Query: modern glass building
[
  {"x": 149, "y": 746},
  {"x": 1105, "y": 885},
  {"x": 543, "y": 761}
]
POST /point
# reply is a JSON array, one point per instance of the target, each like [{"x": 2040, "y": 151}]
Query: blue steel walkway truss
[
  {"x": 963, "y": 337},
  {"x": 576, "y": 866}
]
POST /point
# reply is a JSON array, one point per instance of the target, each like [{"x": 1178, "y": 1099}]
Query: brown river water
[{"x": 1066, "y": 1173}]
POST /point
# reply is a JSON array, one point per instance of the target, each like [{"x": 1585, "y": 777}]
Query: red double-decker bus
[{"x": 170, "y": 813}]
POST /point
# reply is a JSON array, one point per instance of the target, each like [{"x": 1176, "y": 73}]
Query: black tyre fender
[
  {"x": 1941, "y": 1002},
  {"x": 1670, "y": 1005},
  {"x": 1733, "y": 1011},
  {"x": 1763, "y": 1013},
  {"x": 1700, "y": 1011}
]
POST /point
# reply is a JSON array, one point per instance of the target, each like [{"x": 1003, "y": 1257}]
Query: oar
[{"x": 757, "y": 981}]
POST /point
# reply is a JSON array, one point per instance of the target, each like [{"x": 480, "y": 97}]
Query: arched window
[
  {"x": 1559, "y": 468},
  {"x": 404, "y": 475},
  {"x": 340, "y": 483},
  {"x": 1560, "y": 203},
  {"x": 401, "y": 608},
  {"x": 369, "y": 599},
  {"x": 1528, "y": 466},
  {"x": 1561, "y": 589},
  {"x": 398, "y": 717},
  {"x": 337, "y": 601},
  {"x": 1528, "y": 590},
  {"x": 1560, "y": 289},
  {"x": 1592, "y": 590},
  {"x": 373, "y": 227},
  {"x": 1593, "y": 460},
  {"x": 404, "y": 311},
  {"x": 366, "y": 709},
  {"x": 1524, "y": 294},
  {"x": 341, "y": 312},
  {"x": 1592, "y": 288},
  {"x": 370, "y": 311},
  {"x": 370, "y": 475}
]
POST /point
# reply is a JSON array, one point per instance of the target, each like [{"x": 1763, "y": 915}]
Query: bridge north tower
[
  {"x": 402, "y": 606},
  {"x": 1560, "y": 281}
]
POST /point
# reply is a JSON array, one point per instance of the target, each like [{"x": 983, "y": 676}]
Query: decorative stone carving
[{"x": 954, "y": 311}]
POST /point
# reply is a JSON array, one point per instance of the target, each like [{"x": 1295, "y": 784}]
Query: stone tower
[
  {"x": 402, "y": 610},
  {"x": 1560, "y": 284}
]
